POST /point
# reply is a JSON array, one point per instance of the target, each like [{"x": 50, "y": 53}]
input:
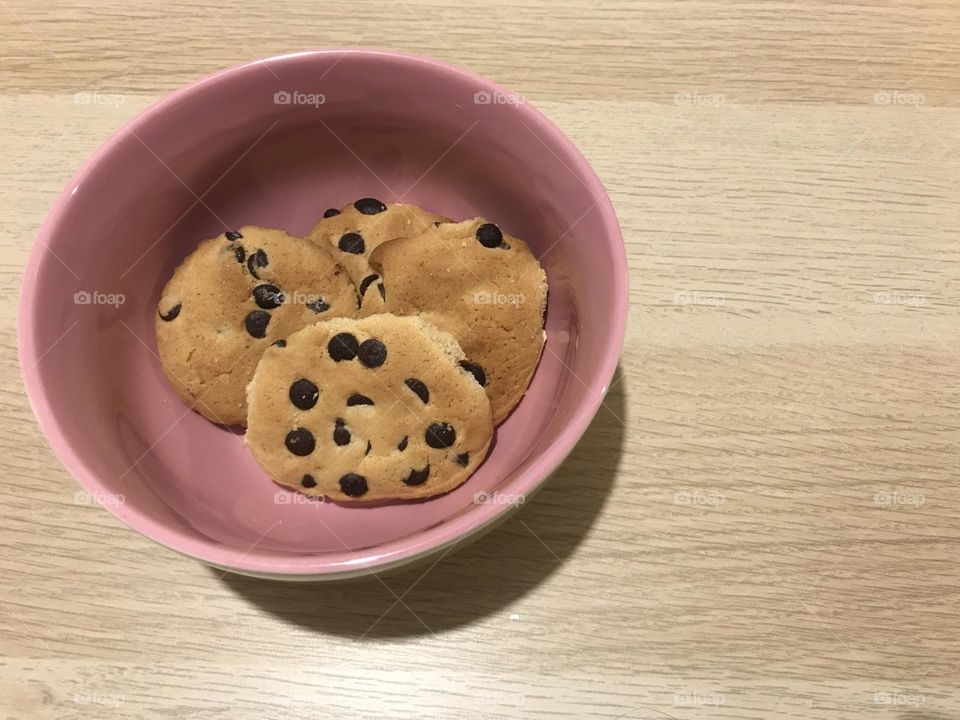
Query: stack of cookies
[{"x": 369, "y": 361}]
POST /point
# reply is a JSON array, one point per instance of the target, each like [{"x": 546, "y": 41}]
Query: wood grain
[{"x": 762, "y": 520}]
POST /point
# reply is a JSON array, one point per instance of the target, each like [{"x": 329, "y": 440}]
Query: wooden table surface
[{"x": 761, "y": 523}]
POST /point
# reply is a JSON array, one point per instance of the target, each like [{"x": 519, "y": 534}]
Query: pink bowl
[{"x": 275, "y": 142}]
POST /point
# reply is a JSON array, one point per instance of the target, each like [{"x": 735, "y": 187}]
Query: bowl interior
[{"x": 230, "y": 151}]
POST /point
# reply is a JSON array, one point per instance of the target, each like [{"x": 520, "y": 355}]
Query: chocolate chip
[
  {"x": 343, "y": 346},
  {"x": 231, "y": 235},
  {"x": 300, "y": 442},
  {"x": 304, "y": 394},
  {"x": 358, "y": 399},
  {"x": 489, "y": 235},
  {"x": 402, "y": 445},
  {"x": 353, "y": 485},
  {"x": 256, "y": 323},
  {"x": 308, "y": 481},
  {"x": 341, "y": 436},
  {"x": 463, "y": 459},
  {"x": 419, "y": 388},
  {"x": 257, "y": 259},
  {"x": 369, "y": 447},
  {"x": 383, "y": 291},
  {"x": 372, "y": 353},
  {"x": 365, "y": 283},
  {"x": 239, "y": 253},
  {"x": 268, "y": 296},
  {"x": 171, "y": 314},
  {"x": 281, "y": 343},
  {"x": 352, "y": 242},
  {"x": 440, "y": 435},
  {"x": 318, "y": 306},
  {"x": 417, "y": 477},
  {"x": 478, "y": 374},
  {"x": 330, "y": 212},
  {"x": 369, "y": 206}
]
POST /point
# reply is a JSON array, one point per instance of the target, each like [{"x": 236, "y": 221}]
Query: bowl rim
[{"x": 350, "y": 563}]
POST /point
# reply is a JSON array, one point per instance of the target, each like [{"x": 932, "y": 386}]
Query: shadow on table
[{"x": 476, "y": 580}]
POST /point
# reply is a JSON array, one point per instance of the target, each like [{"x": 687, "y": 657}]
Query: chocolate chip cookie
[
  {"x": 229, "y": 300},
  {"x": 374, "y": 409},
  {"x": 356, "y": 230},
  {"x": 479, "y": 284}
]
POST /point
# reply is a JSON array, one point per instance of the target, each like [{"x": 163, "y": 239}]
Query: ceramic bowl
[{"x": 275, "y": 142}]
